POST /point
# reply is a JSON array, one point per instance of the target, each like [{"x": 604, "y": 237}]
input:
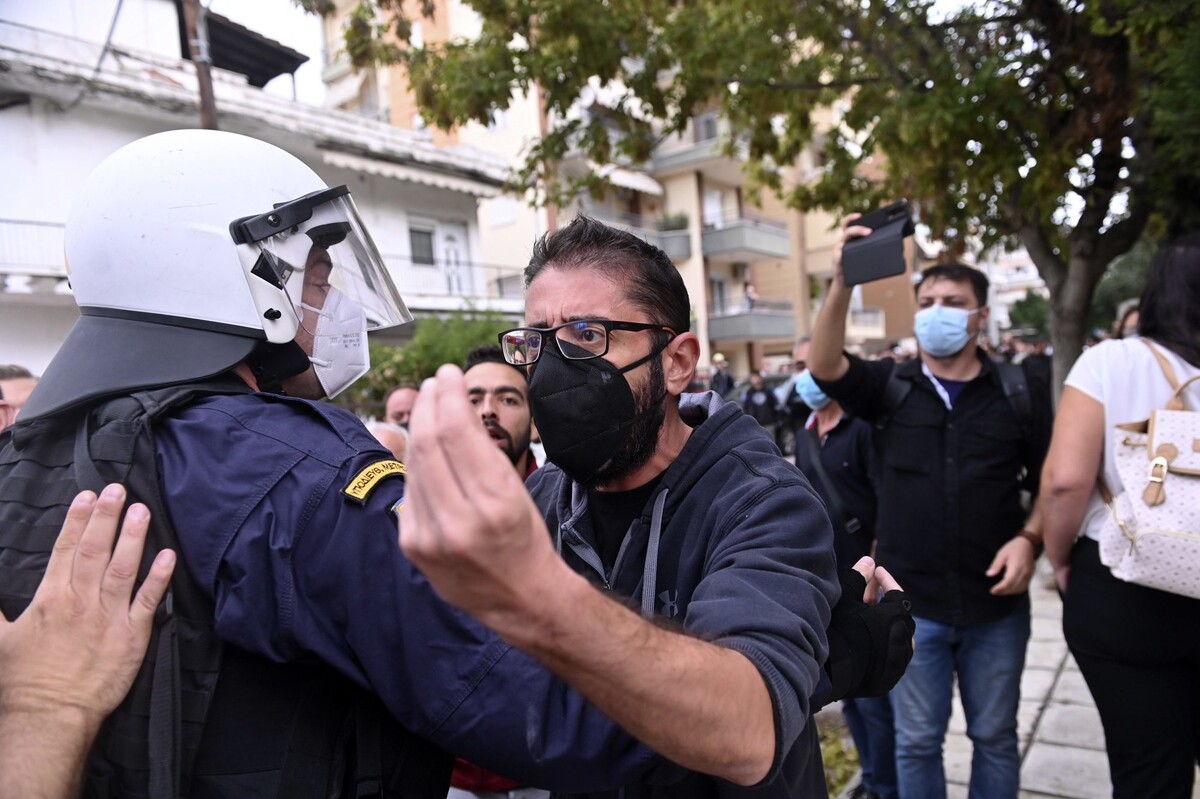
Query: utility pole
[
  {"x": 551, "y": 170},
  {"x": 194, "y": 20}
]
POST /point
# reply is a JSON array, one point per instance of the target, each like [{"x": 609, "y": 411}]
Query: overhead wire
[{"x": 87, "y": 84}]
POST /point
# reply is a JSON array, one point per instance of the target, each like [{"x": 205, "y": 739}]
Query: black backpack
[
  {"x": 184, "y": 728},
  {"x": 1012, "y": 378}
]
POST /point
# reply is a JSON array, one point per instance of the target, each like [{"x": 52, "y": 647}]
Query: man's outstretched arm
[{"x": 470, "y": 526}]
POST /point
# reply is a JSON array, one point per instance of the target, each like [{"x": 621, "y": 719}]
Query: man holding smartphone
[{"x": 957, "y": 439}]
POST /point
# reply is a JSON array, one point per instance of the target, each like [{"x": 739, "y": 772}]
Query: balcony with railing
[
  {"x": 687, "y": 157},
  {"x": 865, "y": 324},
  {"x": 740, "y": 235},
  {"x": 445, "y": 286},
  {"x": 760, "y": 319},
  {"x": 676, "y": 243},
  {"x": 31, "y": 259},
  {"x": 701, "y": 148},
  {"x": 336, "y": 68},
  {"x": 31, "y": 262}
]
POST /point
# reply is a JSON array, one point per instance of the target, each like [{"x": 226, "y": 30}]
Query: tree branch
[
  {"x": 805, "y": 86},
  {"x": 1049, "y": 264},
  {"x": 977, "y": 24},
  {"x": 1121, "y": 237},
  {"x": 850, "y": 23}
]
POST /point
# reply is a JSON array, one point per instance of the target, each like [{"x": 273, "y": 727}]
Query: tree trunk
[
  {"x": 1071, "y": 285},
  {"x": 1069, "y": 304},
  {"x": 1072, "y": 282}
]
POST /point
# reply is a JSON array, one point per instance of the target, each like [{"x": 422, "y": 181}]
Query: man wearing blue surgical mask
[
  {"x": 951, "y": 314},
  {"x": 957, "y": 439},
  {"x": 836, "y": 456}
]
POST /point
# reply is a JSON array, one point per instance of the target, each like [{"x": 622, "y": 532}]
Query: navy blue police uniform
[{"x": 285, "y": 512}]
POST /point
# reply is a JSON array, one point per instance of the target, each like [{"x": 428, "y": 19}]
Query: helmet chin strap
[{"x": 274, "y": 363}]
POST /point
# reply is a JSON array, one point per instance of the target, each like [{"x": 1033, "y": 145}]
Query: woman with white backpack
[{"x": 1121, "y": 495}]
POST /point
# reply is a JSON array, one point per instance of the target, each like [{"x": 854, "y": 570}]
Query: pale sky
[{"x": 285, "y": 23}]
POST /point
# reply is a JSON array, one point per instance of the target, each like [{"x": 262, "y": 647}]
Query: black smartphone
[
  {"x": 886, "y": 215},
  {"x": 880, "y": 254}
]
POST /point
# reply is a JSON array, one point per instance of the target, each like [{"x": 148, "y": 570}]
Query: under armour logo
[{"x": 670, "y": 603}]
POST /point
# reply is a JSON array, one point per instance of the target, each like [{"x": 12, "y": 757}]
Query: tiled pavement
[{"x": 1062, "y": 742}]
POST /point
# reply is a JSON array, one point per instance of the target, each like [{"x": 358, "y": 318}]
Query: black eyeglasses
[{"x": 577, "y": 341}]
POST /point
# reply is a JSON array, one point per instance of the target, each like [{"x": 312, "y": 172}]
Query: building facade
[
  {"x": 690, "y": 199},
  {"x": 70, "y": 96}
]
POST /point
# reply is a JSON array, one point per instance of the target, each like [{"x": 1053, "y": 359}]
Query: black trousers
[{"x": 1139, "y": 651}]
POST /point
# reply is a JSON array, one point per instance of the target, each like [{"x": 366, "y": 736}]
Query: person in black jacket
[
  {"x": 720, "y": 380},
  {"x": 835, "y": 452},
  {"x": 760, "y": 403},
  {"x": 789, "y": 395},
  {"x": 956, "y": 448},
  {"x": 716, "y": 550}
]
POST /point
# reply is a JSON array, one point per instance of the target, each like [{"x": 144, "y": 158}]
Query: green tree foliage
[
  {"x": 837, "y": 753},
  {"x": 1063, "y": 126},
  {"x": 1030, "y": 314},
  {"x": 435, "y": 341}
]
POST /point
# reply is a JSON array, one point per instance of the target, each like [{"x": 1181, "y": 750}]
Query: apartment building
[
  {"x": 690, "y": 199},
  {"x": 77, "y": 84}
]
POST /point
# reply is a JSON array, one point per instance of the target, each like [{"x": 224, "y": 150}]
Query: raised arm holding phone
[{"x": 958, "y": 438}]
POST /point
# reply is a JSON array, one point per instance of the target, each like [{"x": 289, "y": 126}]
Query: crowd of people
[
  {"x": 422, "y": 606},
  {"x": 299, "y": 622},
  {"x": 931, "y": 463}
]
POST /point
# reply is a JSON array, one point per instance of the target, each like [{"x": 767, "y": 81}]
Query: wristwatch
[{"x": 1032, "y": 538}]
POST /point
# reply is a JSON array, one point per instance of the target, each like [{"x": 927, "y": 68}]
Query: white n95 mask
[{"x": 340, "y": 353}]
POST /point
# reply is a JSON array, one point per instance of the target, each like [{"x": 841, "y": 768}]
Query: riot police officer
[{"x": 222, "y": 287}]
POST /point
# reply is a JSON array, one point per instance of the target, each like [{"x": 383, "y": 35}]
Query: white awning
[
  {"x": 412, "y": 174},
  {"x": 628, "y": 178}
]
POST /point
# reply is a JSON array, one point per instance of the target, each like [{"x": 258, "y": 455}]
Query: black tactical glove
[{"x": 869, "y": 645}]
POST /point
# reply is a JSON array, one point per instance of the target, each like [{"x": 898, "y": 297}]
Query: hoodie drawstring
[{"x": 650, "y": 569}]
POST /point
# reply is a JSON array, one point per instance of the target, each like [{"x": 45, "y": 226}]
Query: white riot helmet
[{"x": 191, "y": 249}]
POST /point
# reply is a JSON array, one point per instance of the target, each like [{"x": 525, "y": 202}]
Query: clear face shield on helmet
[{"x": 317, "y": 251}]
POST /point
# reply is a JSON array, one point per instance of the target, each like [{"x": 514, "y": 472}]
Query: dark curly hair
[{"x": 651, "y": 280}]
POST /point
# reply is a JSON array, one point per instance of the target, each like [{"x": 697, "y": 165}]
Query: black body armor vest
[{"x": 202, "y": 719}]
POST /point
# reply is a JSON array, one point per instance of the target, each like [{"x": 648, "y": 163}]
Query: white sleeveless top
[{"x": 1124, "y": 376}]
